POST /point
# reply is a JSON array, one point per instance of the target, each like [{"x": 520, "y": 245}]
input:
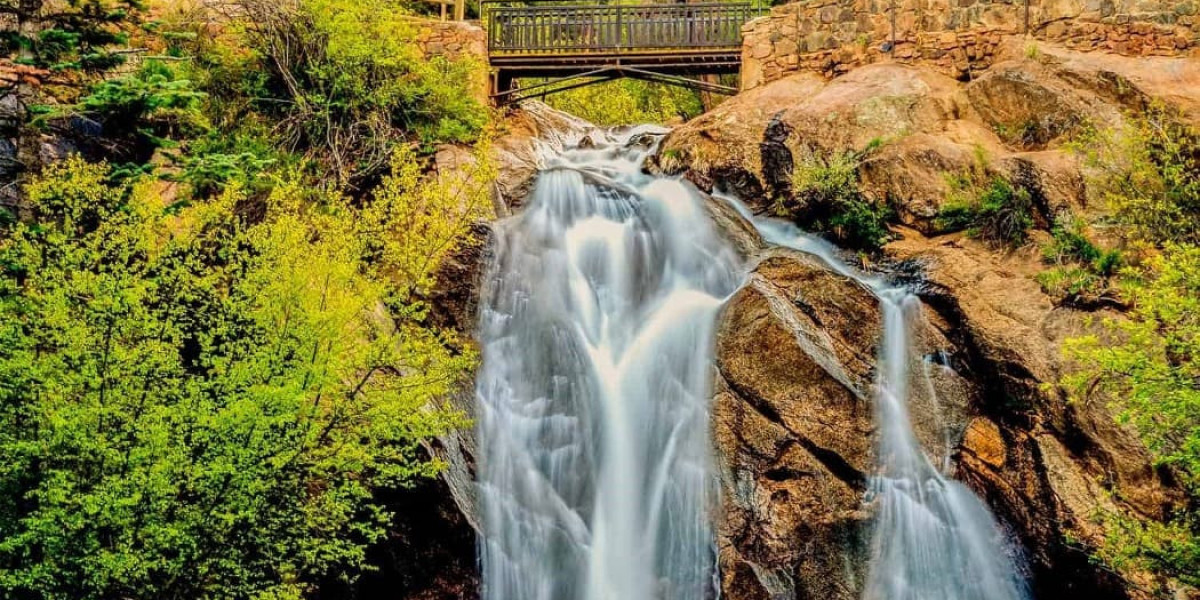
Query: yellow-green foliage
[
  {"x": 628, "y": 102},
  {"x": 1148, "y": 175},
  {"x": 413, "y": 222},
  {"x": 341, "y": 81},
  {"x": 1148, "y": 366},
  {"x": 197, "y": 406}
]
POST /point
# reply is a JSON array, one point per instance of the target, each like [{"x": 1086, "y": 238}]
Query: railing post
[{"x": 620, "y": 30}]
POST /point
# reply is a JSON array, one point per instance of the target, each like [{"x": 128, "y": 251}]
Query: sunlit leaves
[{"x": 193, "y": 406}]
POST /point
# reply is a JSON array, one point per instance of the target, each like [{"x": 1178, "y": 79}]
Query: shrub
[
  {"x": 347, "y": 83},
  {"x": 825, "y": 197},
  {"x": 1082, "y": 269},
  {"x": 1069, "y": 243},
  {"x": 997, "y": 212},
  {"x": 1147, "y": 368},
  {"x": 1065, "y": 282},
  {"x": 1148, "y": 175},
  {"x": 194, "y": 406}
]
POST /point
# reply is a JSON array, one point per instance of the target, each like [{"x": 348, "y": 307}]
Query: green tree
[
  {"x": 73, "y": 34},
  {"x": 197, "y": 406}
]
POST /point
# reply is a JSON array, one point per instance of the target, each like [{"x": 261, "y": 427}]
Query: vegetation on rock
[
  {"x": 1080, "y": 268},
  {"x": 826, "y": 198},
  {"x": 987, "y": 206},
  {"x": 1147, "y": 364}
]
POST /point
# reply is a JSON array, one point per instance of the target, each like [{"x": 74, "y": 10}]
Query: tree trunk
[{"x": 29, "y": 24}]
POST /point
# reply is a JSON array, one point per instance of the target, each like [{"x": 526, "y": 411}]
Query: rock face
[
  {"x": 793, "y": 423},
  {"x": 1013, "y": 119},
  {"x": 792, "y": 414}
]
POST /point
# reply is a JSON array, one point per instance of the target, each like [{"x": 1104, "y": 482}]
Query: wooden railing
[{"x": 614, "y": 28}]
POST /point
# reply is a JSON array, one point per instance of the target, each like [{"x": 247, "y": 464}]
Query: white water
[
  {"x": 597, "y": 329},
  {"x": 932, "y": 538}
]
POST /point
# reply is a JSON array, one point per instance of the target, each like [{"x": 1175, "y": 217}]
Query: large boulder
[
  {"x": 793, "y": 423},
  {"x": 1013, "y": 119}
]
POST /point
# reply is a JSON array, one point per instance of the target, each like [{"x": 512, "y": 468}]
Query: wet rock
[
  {"x": 793, "y": 424},
  {"x": 12, "y": 113},
  {"x": 10, "y": 166},
  {"x": 776, "y": 157}
]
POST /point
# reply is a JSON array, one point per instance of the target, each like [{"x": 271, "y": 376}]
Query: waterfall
[
  {"x": 597, "y": 328},
  {"x": 932, "y": 538}
]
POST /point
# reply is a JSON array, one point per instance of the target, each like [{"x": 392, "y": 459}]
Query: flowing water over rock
[
  {"x": 597, "y": 329},
  {"x": 932, "y": 538}
]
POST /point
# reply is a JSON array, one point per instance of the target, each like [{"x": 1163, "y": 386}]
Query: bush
[
  {"x": 996, "y": 212},
  {"x": 1148, "y": 175},
  {"x": 194, "y": 406},
  {"x": 1147, "y": 368},
  {"x": 1066, "y": 282},
  {"x": 347, "y": 83},
  {"x": 1069, "y": 243},
  {"x": 825, "y": 198},
  {"x": 1081, "y": 268}
]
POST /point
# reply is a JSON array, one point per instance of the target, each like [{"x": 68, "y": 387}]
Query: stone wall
[
  {"x": 957, "y": 36},
  {"x": 458, "y": 40}
]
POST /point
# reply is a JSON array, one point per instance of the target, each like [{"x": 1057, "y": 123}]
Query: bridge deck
[{"x": 561, "y": 39}]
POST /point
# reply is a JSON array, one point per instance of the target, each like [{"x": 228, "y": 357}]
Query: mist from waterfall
[
  {"x": 595, "y": 478},
  {"x": 931, "y": 538}
]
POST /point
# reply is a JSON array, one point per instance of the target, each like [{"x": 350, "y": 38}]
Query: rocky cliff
[{"x": 793, "y": 423}]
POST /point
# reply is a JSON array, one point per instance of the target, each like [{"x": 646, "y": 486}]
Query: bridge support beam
[{"x": 504, "y": 93}]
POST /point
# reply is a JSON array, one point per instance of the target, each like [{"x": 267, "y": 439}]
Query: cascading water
[
  {"x": 932, "y": 538},
  {"x": 597, "y": 330}
]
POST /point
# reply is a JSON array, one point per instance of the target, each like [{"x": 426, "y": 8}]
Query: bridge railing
[{"x": 615, "y": 28}]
